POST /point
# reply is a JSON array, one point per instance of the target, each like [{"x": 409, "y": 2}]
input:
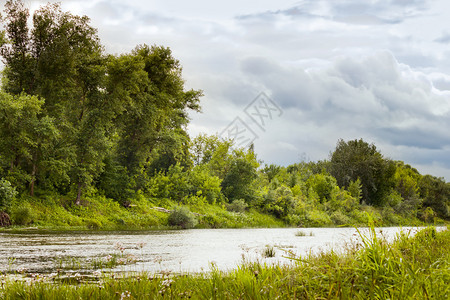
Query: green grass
[
  {"x": 269, "y": 251},
  {"x": 409, "y": 268},
  {"x": 100, "y": 213},
  {"x": 303, "y": 233},
  {"x": 55, "y": 212}
]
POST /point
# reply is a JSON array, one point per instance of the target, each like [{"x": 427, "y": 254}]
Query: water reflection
[{"x": 176, "y": 251}]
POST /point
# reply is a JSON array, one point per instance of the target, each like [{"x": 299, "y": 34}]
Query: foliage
[
  {"x": 7, "y": 194},
  {"x": 357, "y": 159},
  {"x": 279, "y": 202},
  {"x": 323, "y": 185},
  {"x": 22, "y": 215},
  {"x": 72, "y": 108},
  {"x": 436, "y": 195},
  {"x": 237, "y": 205},
  {"x": 182, "y": 217},
  {"x": 238, "y": 180}
]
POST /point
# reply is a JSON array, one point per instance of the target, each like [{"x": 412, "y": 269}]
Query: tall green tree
[
  {"x": 155, "y": 110},
  {"x": 127, "y": 113},
  {"x": 357, "y": 159},
  {"x": 61, "y": 60},
  {"x": 436, "y": 194},
  {"x": 26, "y": 137},
  {"x": 15, "y": 49}
]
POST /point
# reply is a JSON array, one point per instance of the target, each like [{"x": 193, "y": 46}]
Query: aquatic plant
[{"x": 269, "y": 251}]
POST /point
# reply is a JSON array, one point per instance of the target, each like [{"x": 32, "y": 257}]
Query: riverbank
[
  {"x": 409, "y": 268},
  {"x": 142, "y": 213}
]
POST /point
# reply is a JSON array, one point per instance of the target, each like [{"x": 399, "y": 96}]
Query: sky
[{"x": 294, "y": 77}]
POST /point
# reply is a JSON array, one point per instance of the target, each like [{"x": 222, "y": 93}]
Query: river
[{"x": 172, "y": 250}]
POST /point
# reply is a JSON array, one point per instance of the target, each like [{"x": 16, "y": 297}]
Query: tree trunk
[
  {"x": 33, "y": 180},
  {"x": 78, "y": 200}
]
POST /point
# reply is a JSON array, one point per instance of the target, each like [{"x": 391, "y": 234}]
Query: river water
[{"x": 173, "y": 250}]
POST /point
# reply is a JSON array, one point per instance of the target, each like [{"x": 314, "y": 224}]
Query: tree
[
  {"x": 357, "y": 159},
  {"x": 436, "y": 194},
  {"x": 237, "y": 183},
  {"x": 16, "y": 54},
  {"x": 126, "y": 112},
  {"x": 202, "y": 148},
  {"x": 323, "y": 185},
  {"x": 153, "y": 105},
  {"x": 60, "y": 59},
  {"x": 406, "y": 180},
  {"x": 26, "y": 137},
  {"x": 7, "y": 194}
]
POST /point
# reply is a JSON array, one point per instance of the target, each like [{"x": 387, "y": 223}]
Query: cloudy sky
[{"x": 329, "y": 69}]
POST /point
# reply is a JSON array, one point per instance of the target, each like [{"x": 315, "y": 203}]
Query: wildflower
[
  {"x": 122, "y": 261},
  {"x": 125, "y": 295},
  {"x": 141, "y": 245},
  {"x": 158, "y": 259},
  {"x": 119, "y": 246},
  {"x": 131, "y": 258},
  {"x": 108, "y": 258},
  {"x": 21, "y": 270},
  {"x": 167, "y": 282},
  {"x": 97, "y": 273}
]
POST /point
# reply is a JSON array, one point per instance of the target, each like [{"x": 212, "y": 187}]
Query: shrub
[
  {"x": 340, "y": 218},
  {"x": 295, "y": 219},
  {"x": 93, "y": 224},
  {"x": 238, "y": 205},
  {"x": 317, "y": 218},
  {"x": 22, "y": 215},
  {"x": 427, "y": 215},
  {"x": 7, "y": 194},
  {"x": 182, "y": 217}
]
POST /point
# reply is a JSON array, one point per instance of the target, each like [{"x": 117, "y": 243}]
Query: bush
[
  {"x": 22, "y": 215},
  {"x": 182, "y": 217},
  {"x": 93, "y": 224},
  {"x": 238, "y": 205},
  {"x": 317, "y": 218},
  {"x": 340, "y": 218},
  {"x": 7, "y": 194}
]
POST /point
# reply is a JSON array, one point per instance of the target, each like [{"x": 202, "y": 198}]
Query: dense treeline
[{"x": 77, "y": 123}]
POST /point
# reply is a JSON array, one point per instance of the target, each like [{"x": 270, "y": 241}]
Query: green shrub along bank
[
  {"x": 94, "y": 140},
  {"x": 101, "y": 213},
  {"x": 410, "y": 268}
]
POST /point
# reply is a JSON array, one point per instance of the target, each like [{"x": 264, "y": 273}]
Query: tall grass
[{"x": 409, "y": 268}]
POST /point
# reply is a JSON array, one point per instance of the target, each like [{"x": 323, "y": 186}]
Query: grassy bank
[
  {"x": 100, "y": 213},
  {"x": 410, "y": 268},
  {"x": 54, "y": 212}
]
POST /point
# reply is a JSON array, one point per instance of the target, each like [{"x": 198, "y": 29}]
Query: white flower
[
  {"x": 97, "y": 273},
  {"x": 125, "y": 295},
  {"x": 141, "y": 245}
]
